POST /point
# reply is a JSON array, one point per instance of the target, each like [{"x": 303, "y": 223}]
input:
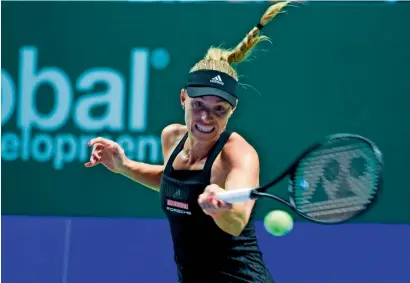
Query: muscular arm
[
  {"x": 145, "y": 174},
  {"x": 150, "y": 175},
  {"x": 243, "y": 162}
]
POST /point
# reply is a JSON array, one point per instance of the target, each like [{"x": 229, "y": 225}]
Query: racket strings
[{"x": 336, "y": 181}]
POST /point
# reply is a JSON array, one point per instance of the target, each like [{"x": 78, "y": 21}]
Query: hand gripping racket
[{"x": 331, "y": 182}]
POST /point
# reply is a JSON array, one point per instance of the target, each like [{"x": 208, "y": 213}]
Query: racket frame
[{"x": 290, "y": 171}]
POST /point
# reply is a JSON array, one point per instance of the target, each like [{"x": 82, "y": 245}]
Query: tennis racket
[{"x": 331, "y": 182}]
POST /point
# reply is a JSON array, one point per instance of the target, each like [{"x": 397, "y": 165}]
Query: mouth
[{"x": 204, "y": 129}]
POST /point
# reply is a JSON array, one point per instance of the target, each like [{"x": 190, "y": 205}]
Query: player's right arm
[{"x": 112, "y": 156}]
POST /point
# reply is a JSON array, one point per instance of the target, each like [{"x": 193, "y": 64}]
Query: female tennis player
[{"x": 213, "y": 241}]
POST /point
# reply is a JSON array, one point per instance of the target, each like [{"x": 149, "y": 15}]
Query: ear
[
  {"x": 234, "y": 108},
  {"x": 183, "y": 97}
]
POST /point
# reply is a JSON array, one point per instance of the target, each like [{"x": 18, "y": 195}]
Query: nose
[{"x": 205, "y": 116}]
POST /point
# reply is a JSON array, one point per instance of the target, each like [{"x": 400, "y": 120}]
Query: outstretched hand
[{"x": 108, "y": 153}]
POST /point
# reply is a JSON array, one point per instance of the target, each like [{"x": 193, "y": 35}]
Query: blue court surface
[{"x": 102, "y": 250}]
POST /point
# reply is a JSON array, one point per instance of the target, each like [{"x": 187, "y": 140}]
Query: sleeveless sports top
[{"x": 203, "y": 252}]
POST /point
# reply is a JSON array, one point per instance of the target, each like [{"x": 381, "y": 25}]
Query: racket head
[{"x": 337, "y": 179}]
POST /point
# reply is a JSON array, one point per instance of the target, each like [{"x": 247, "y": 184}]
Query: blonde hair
[{"x": 222, "y": 59}]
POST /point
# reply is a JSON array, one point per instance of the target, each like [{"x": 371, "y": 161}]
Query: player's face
[{"x": 206, "y": 117}]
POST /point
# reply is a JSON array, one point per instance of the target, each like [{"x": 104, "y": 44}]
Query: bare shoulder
[
  {"x": 238, "y": 152},
  {"x": 173, "y": 130},
  {"x": 170, "y": 137}
]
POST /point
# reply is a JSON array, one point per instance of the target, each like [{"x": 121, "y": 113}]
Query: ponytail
[{"x": 222, "y": 60}]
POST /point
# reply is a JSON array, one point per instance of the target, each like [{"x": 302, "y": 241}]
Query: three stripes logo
[
  {"x": 177, "y": 194},
  {"x": 217, "y": 80}
]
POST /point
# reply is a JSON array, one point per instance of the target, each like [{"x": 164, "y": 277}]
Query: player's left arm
[{"x": 243, "y": 163}]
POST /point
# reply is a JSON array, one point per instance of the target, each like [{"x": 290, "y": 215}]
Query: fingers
[
  {"x": 98, "y": 150},
  {"x": 98, "y": 147},
  {"x": 208, "y": 203},
  {"x": 96, "y": 155},
  {"x": 89, "y": 164},
  {"x": 212, "y": 189},
  {"x": 99, "y": 144},
  {"x": 100, "y": 140},
  {"x": 94, "y": 159}
]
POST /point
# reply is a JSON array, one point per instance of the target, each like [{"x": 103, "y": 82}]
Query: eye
[
  {"x": 220, "y": 109},
  {"x": 197, "y": 104}
]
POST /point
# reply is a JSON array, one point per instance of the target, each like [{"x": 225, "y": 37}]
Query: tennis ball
[{"x": 278, "y": 222}]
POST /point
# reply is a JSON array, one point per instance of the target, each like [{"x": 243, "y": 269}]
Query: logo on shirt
[
  {"x": 177, "y": 204},
  {"x": 178, "y": 207}
]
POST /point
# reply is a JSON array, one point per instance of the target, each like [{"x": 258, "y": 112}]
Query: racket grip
[{"x": 239, "y": 195}]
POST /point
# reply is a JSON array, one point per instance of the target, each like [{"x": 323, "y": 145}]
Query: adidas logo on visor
[{"x": 217, "y": 80}]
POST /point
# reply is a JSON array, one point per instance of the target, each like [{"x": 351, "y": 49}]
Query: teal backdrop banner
[{"x": 72, "y": 71}]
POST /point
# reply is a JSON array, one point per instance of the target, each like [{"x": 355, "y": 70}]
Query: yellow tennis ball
[{"x": 278, "y": 222}]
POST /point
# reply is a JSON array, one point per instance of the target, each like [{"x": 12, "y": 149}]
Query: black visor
[{"x": 211, "y": 82}]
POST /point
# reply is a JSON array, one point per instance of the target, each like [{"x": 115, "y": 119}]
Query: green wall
[{"x": 74, "y": 70}]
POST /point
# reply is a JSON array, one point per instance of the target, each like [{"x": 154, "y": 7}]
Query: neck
[{"x": 196, "y": 150}]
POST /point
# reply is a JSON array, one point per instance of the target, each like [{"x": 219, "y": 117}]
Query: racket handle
[{"x": 239, "y": 195}]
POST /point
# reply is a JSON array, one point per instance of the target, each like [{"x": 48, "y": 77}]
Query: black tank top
[{"x": 202, "y": 251}]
